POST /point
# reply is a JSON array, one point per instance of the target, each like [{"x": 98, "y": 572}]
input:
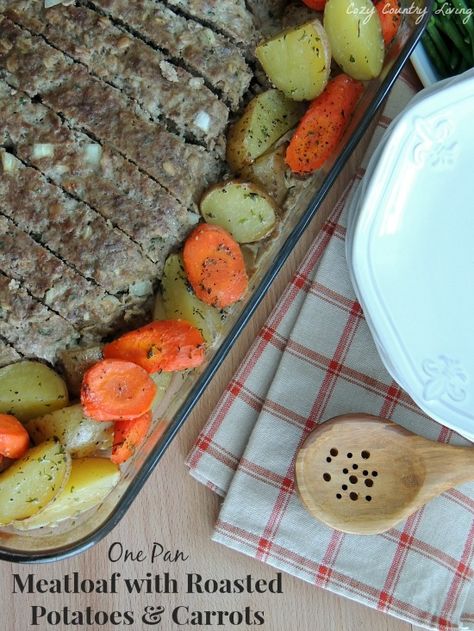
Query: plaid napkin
[{"x": 315, "y": 359}]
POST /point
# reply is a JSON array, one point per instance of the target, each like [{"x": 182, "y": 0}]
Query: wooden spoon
[{"x": 362, "y": 474}]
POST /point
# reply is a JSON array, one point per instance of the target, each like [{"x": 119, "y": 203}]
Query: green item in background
[{"x": 449, "y": 37}]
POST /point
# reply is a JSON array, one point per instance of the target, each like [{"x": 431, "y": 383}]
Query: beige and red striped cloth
[{"x": 315, "y": 359}]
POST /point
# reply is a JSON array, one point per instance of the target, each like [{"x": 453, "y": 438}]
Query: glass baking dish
[{"x": 185, "y": 390}]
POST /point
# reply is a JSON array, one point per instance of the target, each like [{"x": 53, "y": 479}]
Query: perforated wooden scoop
[{"x": 362, "y": 474}]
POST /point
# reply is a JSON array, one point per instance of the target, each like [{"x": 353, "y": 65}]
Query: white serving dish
[{"x": 410, "y": 250}]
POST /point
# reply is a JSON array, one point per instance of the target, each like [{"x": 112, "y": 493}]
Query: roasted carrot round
[
  {"x": 128, "y": 436},
  {"x": 390, "y": 18},
  {"x": 167, "y": 345},
  {"x": 214, "y": 266},
  {"x": 323, "y": 125},
  {"x": 14, "y": 439},
  {"x": 317, "y": 5},
  {"x": 114, "y": 389}
]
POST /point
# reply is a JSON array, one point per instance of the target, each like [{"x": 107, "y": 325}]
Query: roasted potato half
[
  {"x": 269, "y": 172},
  {"x": 91, "y": 480},
  {"x": 355, "y": 34},
  {"x": 242, "y": 208},
  {"x": 180, "y": 301},
  {"x": 80, "y": 435},
  {"x": 298, "y": 60},
  {"x": 266, "y": 118},
  {"x": 29, "y": 389},
  {"x": 33, "y": 481}
]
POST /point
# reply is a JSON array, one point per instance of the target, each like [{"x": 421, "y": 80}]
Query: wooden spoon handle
[{"x": 448, "y": 465}]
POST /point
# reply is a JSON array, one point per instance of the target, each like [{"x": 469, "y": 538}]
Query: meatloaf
[
  {"x": 164, "y": 90},
  {"x": 113, "y": 123}
]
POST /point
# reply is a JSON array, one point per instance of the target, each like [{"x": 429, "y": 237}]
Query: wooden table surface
[{"x": 178, "y": 513}]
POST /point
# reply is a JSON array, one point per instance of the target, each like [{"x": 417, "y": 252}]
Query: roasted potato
[
  {"x": 180, "y": 301},
  {"x": 91, "y": 480},
  {"x": 355, "y": 34},
  {"x": 29, "y": 389},
  {"x": 266, "y": 118},
  {"x": 298, "y": 60},
  {"x": 241, "y": 208},
  {"x": 75, "y": 362},
  {"x": 269, "y": 172},
  {"x": 81, "y": 436},
  {"x": 33, "y": 481}
]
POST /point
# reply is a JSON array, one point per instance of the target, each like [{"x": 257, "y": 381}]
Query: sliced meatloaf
[
  {"x": 163, "y": 89},
  {"x": 228, "y": 16},
  {"x": 113, "y": 186},
  {"x": 112, "y": 126},
  {"x": 200, "y": 49},
  {"x": 86, "y": 306},
  {"x": 73, "y": 231},
  {"x": 32, "y": 65},
  {"x": 30, "y": 327}
]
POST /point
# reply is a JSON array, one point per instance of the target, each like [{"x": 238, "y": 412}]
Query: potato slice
[
  {"x": 355, "y": 34},
  {"x": 298, "y": 60},
  {"x": 266, "y": 118},
  {"x": 33, "y": 481},
  {"x": 80, "y": 435},
  {"x": 29, "y": 389},
  {"x": 241, "y": 208},
  {"x": 180, "y": 301},
  {"x": 269, "y": 172},
  {"x": 91, "y": 480},
  {"x": 75, "y": 362}
]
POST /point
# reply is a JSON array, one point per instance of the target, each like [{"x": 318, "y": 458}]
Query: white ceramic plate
[{"x": 411, "y": 251}]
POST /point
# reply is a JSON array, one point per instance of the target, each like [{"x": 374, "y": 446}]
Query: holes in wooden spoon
[
  {"x": 333, "y": 452},
  {"x": 349, "y": 455},
  {"x": 344, "y": 487},
  {"x": 365, "y": 472},
  {"x": 368, "y": 498},
  {"x": 365, "y": 454},
  {"x": 369, "y": 482},
  {"x": 326, "y": 477},
  {"x": 345, "y": 471},
  {"x": 338, "y": 495},
  {"x": 374, "y": 474},
  {"x": 328, "y": 459},
  {"x": 353, "y": 479},
  {"x": 353, "y": 496},
  {"x": 355, "y": 466}
]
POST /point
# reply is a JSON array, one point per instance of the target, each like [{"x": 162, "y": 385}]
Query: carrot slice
[
  {"x": 114, "y": 390},
  {"x": 317, "y": 5},
  {"x": 323, "y": 125},
  {"x": 390, "y": 18},
  {"x": 167, "y": 345},
  {"x": 14, "y": 439},
  {"x": 128, "y": 436},
  {"x": 214, "y": 266}
]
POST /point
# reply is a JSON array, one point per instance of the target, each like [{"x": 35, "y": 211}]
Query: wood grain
[
  {"x": 363, "y": 474},
  {"x": 179, "y": 513}
]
